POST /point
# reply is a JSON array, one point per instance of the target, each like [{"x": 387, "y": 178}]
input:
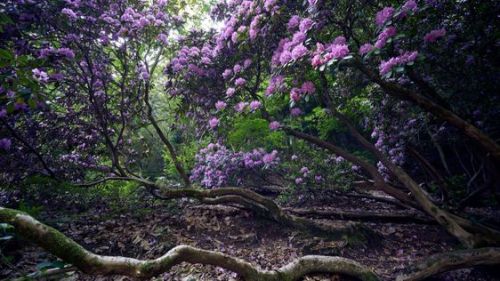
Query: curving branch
[
  {"x": 261, "y": 206},
  {"x": 450, "y": 261},
  {"x": 68, "y": 250},
  {"x": 402, "y": 218},
  {"x": 455, "y": 225}
]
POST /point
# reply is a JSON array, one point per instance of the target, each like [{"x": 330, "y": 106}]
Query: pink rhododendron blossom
[
  {"x": 213, "y": 123},
  {"x": 240, "y": 107},
  {"x": 275, "y": 84},
  {"x": 434, "y": 35},
  {"x": 247, "y": 63},
  {"x": 308, "y": 87},
  {"x": 269, "y": 158},
  {"x": 337, "y": 52},
  {"x": 295, "y": 94},
  {"x": 340, "y": 40},
  {"x": 40, "y": 75},
  {"x": 304, "y": 170},
  {"x": 3, "y": 113}
]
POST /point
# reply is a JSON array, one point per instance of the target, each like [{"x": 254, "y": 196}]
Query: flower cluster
[
  {"x": 217, "y": 166},
  {"x": 407, "y": 57},
  {"x": 293, "y": 49},
  {"x": 335, "y": 50}
]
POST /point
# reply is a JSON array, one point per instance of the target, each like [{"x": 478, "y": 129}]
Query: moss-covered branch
[
  {"x": 450, "y": 261},
  {"x": 68, "y": 250}
]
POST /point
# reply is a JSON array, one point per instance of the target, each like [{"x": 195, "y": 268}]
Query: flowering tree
[
  {"x": 281, "y": 60},
  {"x": 79, "y": 76}
]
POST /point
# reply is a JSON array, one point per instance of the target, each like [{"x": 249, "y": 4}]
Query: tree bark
[
  {"x": 450, "y": 261},
  {"x": 68, "y": 250},
  {"x": 363, "y": 216},
  {"x": 393, "y": 89},
  {"x": 450, "y": 222}
]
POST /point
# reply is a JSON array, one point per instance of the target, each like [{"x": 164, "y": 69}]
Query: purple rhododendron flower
[
  {"x": 293, "y": 22},
  {"x": 214, "y": 122},
  {"x": 230, "y": 92},
  {"x": 5, "y": 144},
  {"x": 384, "y": 36},
  {"x": 384, "y": 15},
  {"x": 386, "y": 66},
  {"x": 239, "y": 107},
  {"x": 299, "y": 51},
  {"x": 227, "y": 73},
  {"x": 295, "y": 94},
  {"x": 70, "y": 13},
  {"x": 275, "y": 125},
  {"x": 240, "y": 82},
  {"x": 220, "y": 105},
  {"x": 295, "y": 112},
  {"x": 366, "y": 48},
  {"x": 254, "y": 105},
  {"x": 305, "y": 24},
  {"x": 410, "y": 6}
]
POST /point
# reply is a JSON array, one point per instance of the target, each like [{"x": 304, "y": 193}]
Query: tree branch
[
  {"x": 453, "y": 260},
  {"x": 68, "y": 250}
]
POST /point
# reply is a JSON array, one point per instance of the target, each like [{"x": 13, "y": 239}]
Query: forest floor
[{"x": 149, "y": 228}]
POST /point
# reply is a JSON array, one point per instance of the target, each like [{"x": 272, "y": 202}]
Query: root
[
  {"x": 68, "y": 250},
  {"x": 450, "y": 261}
]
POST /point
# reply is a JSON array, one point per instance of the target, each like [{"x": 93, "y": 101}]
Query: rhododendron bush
[
  {"x": 230, "y": 101},
  {"x": 283, "y": 61}
]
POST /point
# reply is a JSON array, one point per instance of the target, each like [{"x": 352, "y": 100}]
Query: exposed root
[
  {"x": 261, "y": 206},
  {"x": 363, "y": 216},
  {"x": 450, "y": 261},
  {"x": 68, "y": 250}
]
